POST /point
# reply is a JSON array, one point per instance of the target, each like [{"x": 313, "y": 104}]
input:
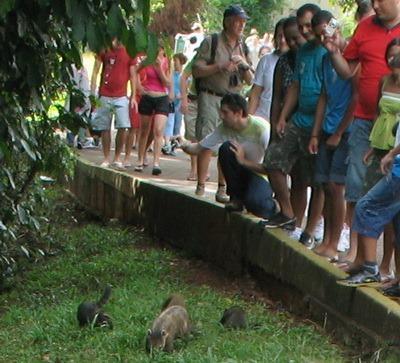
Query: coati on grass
[
  {"x": 174, "y": 299},
  {"x": 234, "y": 318},
  {"x": 91, "y": 313},
  {"x": 173, "y": 322}
]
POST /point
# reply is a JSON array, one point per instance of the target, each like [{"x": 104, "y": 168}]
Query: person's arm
[
  {"x": 387, "y": 161},
  {"x": 183, "y": 84},
  {"x": 133, "y": 83},
  {"x": 95, "y": 73},
  {"x": 318, "y": 120},
  {"x": 334, "y": 140},
  {"x": 164, "y": 75},
  {"x": 277, "y": 100},
  {"x": 192, "y": 148},
  {"x": 254, "y": 98},
  {"x": 344, "y": 68},
  {"x": 238, "y": 150},
  {"x": 289, "y": 105}
]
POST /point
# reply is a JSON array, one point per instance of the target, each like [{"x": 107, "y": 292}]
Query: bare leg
[
  {"x": 193, "y": 167},
  {"x": 145, "y": 126},
  {"x": 388, "y": 248},
  {"x": 130, "y": 139},
  {"x": 203, "y": 161},
  {"x": 334, "y": 217},
  {"x": 298, "y": 194},
  {"x": 315, "y": 210},
  {"x": 106, "y": 142},
  {"x": 120, "y": 142},
  {"x": 279, "y": 186},
  {"x": 158, "y": 131},
  {"x": 369, "y": 247}
]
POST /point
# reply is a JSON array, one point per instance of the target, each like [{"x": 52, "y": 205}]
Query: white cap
[{"x": 196, "y": 26}]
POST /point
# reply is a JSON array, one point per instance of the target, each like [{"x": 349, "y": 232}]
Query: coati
[
  {"x": 234, "y": 318},
  {"x": 173, "y": 322},
  {"x": 174, "y": 299},
  {"x": 91, "y": 313}
]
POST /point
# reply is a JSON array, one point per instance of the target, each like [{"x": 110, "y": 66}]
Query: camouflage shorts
[
  {"x": 283, "y": 154},
  {"x": 374, "y": 173}
]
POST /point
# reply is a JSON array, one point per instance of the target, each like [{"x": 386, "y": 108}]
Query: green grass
[{"x": 38, "y": 322}]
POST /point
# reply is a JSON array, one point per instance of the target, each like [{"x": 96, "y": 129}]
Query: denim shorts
[
  {"x": 331, "y": 164},
  {"x": 109, "y": 106},
  {"x": 380, "y": 206},
  {"x": 356, "y": 170}
]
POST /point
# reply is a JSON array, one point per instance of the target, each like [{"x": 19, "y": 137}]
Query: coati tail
[
  {"x": 105, "y": 297},
  {"x": 173, "y": 300}
]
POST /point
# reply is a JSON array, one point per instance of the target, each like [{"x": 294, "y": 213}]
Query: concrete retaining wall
[{"x": 234, "y": 242}]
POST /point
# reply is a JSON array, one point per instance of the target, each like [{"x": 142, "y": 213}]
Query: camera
[{"x": 331, "y": 27}]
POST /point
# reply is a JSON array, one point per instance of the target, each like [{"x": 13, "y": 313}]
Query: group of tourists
[{"x": 320, "y": 111}]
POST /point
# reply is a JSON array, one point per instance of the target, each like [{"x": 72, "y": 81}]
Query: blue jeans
[
  {"x": 178, "y": 118},
  {"x": 380, "y": 206},
  {"x": 242, "y": 184},
  {"x": 356, "y": 170}
]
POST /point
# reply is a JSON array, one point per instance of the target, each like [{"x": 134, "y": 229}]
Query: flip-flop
[
  {"x": 139, "y": 168},
  {"x": 331, "y": 259},
  {"x": 191, "y": 178},
  {"x": 156, "y": 170}
]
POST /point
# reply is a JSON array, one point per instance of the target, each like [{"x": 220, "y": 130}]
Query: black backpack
[{"x": 214, "y": 45}]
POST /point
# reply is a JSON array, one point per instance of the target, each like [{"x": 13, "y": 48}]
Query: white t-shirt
[
  {"x": 254, "y": 138},
  {"x": 264, "y": 77}
]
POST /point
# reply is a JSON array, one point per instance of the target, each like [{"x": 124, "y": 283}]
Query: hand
[
  {"x": 238, "y": 150},
  {"x": 313, "y": 145},
  {"x": 184, "y": 105},
  {"x": 386, "y": 163},
  {"x": 331, "y": 43},
  {"x": 280, "y": 127},
  {"x": 333, "y": 141},
  {"x": 228, "y": 66},
  {"x": 367, "y": 156},
  {"x": 133, "y": 103}
]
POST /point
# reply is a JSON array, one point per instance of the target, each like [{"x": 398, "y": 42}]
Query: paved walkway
[{"x": 175, "y": 170}]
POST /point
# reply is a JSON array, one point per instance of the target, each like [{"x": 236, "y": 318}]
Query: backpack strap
[{"x": 214, "y": 45}]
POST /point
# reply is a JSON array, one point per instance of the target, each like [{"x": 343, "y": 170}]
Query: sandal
[{"x": 139, "y": 168}]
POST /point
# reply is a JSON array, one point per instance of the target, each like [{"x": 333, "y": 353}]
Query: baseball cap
[{"x": 235, "y": 10}]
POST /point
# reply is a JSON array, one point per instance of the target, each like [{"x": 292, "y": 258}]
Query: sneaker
[
  {"x": 279, "y": 220},
  {"x": 117, "y": 165},
  {"x": 319, "y": 231},
  {"x": 295, "y": 234},
  {"x": 362, "y": 278},
  {"x": 344, "y": 241},
  {"x": 392, "y": 292},
  {"x": 166, "y": 149},
  {"x": 307, "y": 240},
  {"x": 88, "y": 144},
  {"x": 234, "y": 206},
  {"x": 221, "y": 196}
]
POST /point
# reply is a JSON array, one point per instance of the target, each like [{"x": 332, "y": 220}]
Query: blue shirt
[
  {"x": 338, "y": 92},
  {"x": 177, "y": 87},
  {"x": 308, "y": 72}
]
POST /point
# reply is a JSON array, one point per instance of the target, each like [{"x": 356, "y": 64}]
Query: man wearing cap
[{"x": 217, "y": 74}]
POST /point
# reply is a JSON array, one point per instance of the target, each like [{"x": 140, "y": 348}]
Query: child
[
  {"x": 379, "y": 206},
  {"x": 174, "y": 124}
]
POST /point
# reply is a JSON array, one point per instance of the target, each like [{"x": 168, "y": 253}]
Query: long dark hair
[{"x": 278, "y": 25}]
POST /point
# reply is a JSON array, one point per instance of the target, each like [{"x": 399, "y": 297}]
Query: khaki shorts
[
  {"x": 208, "y": 114},
  {"x": 282, "y": 155},
  {"x": 190, "y": 121}
]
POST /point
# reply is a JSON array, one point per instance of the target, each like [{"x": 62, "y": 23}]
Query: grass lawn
[{"x": 38, "y": 315}]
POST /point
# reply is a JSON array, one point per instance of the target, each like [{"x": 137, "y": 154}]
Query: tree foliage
[
  {"x": 40, "y": 40},
  {"x": 261, "y": 13}
]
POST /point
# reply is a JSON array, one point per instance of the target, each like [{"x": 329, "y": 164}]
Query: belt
[
  {"x": 192, "y": 97},
  {"x": 206, "y": 90}
]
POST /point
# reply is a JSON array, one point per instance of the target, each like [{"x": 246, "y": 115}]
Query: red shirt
[
  {"x": 368, "y": 46},
  {"x": 115, "y": 74}
]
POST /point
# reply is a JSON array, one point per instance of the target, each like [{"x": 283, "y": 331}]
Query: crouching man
[{"x": 241, "y": 141}]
